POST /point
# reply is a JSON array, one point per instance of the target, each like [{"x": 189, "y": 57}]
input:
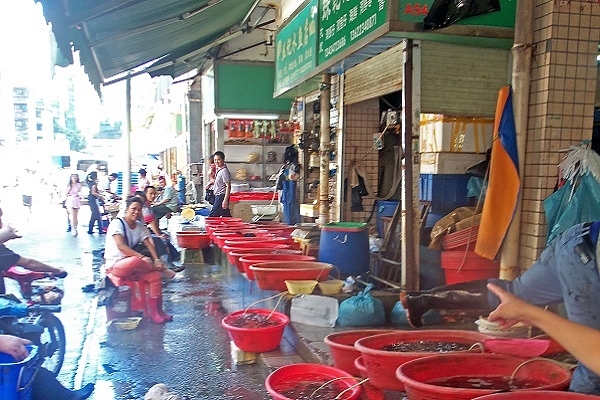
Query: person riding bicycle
[
  {"x": 9, "y": 258},
  {"x": 44, "y": 385}
]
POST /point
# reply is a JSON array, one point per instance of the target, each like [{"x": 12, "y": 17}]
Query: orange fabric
[{"x": 502, "y": 192}]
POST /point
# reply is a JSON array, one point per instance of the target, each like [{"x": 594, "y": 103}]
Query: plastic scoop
[{"x": 517, "y": 347}]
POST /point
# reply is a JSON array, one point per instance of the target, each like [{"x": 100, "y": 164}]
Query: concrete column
[{"x": 561, "y": 106}]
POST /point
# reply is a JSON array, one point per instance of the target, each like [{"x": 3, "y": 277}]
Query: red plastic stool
[{"x": 139, "y": 292}]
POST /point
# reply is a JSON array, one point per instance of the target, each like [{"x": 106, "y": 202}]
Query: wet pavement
[{"x": 192, "y": 354}]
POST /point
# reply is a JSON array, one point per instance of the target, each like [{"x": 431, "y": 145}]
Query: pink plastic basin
[
  {"x": 251, "y": 259},
  {"x": 271, "y": 275}
]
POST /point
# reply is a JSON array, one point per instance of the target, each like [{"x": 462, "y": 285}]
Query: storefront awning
[{"x": 116, "y": 36}]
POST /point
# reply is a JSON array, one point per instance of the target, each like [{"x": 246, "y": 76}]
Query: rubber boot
[
  {"x": 166, "y": 317},
  {"x": 459, "y": 296},
  {"x": 154, "y": 309}
]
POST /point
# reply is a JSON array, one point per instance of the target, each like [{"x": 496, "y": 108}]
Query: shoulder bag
[{"x": 139, "y": 247}]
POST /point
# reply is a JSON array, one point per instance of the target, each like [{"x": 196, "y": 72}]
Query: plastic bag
[
  {"x": 563, "y": 211},
  {"x": 443, "y": 13},
  {"x": 362, "y": 310},
  {"x": 398, "y": 316}
]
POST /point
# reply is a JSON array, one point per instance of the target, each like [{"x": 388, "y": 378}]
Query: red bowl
[
  {"x": 251, "y": 259},
  {"x": 272, "y": 275},
  {"x": 234, "y": 255}
]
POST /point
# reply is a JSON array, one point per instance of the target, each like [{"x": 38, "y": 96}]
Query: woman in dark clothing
[{"x": 94, "y": 203}]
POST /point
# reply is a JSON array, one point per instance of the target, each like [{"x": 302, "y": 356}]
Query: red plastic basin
[
  {"x": 251, "y": 259},
  {"x": 295, "y": 376},
  {"x": 256, "y": 245},
  {"x": 416, "y": 375},
  {"x": 260, "y": 339},
  {"x": 243, "y": 240},
  {"x": 210, "y": 229},
  {"x": 277, "y": 228},
  {"x": 192, "y": 240},
  {"x": 343, "y": 352},
  {"x": 220, "y": 237},
  {"x": 271, "y": 275},
  {"x": 537, "y": 395},
  {"x": 381, "y": 365},
  {"x": 234, "y": 255}
]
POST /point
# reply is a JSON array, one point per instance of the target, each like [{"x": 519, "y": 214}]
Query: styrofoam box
[
  {"x": 449, "y": 163},
  {"x": 442, "y": 133}
]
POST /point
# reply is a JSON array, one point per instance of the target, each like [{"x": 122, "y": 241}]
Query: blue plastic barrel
[
  {"x": 345, "y": 245},
  {"x": 16, "y": 376}
]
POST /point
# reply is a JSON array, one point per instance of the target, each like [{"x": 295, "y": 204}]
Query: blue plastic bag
[
  {"x": 361, "y": 310},
  {"x": 398, "y": 316},
  {"x": 565, "y": 207}
]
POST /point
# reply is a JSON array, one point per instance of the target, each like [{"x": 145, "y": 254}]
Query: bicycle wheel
[{"x": 52, "y": 342}]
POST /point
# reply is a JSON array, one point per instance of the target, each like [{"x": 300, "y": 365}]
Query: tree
[{"x": 76, "y": 140}]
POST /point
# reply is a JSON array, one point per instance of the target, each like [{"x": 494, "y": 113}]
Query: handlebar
[{"x": 44, "y": 307}]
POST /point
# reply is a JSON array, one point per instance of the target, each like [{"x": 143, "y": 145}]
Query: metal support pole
[
  {"x": 522, "y": 51},
  {"x": 325, "y": 89},
  {"x": 410, "y": 140},
  {"x": 127, "y": 171}
]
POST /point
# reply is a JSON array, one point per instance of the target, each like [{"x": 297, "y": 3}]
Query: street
[{"x": 191, "y": 355}]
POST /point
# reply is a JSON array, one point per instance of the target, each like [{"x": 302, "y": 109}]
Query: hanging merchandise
[
  {"x": 253, "y": 157},
  {"x": 314, "y": 161},
  {"x": 577, "y": 200}
]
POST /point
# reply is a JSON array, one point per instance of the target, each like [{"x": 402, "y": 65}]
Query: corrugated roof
[{"x": 115, "y": 36}]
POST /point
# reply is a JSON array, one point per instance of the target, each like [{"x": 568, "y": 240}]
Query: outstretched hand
[
  {"x": 511, "y": 309},
  {"x": 7, "y": 233}
]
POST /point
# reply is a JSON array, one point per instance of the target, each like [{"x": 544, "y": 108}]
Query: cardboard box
[
  {"x": 309, "y": 210},
  {"x": 442, "y": 133},
  {"x": 449, "y": 163}
]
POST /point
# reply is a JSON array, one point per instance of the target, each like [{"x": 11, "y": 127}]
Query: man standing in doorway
[{"x": 222, "y": 187}]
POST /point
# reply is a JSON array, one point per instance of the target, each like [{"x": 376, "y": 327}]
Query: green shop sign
[
  {"x": 344, "y": 22},
  {"x": 296, "y": 47},
  {"x": 410, "y": 11}
]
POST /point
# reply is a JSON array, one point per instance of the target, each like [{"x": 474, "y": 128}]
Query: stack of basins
[{"x": 266, "y": 250}]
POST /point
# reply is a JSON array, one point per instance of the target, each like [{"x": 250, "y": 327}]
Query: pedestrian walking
[
  {"x": 73, "y": 202},
  {"x": 222, "y": 187},
  {"x": 94, "y": 203}
]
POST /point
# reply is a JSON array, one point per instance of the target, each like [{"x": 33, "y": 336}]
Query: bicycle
[{"x": 33, "y": 320}]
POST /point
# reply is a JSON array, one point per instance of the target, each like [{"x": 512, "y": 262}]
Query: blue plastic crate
[
  {"x": 16, "y": 378},
  {"x": 445, "y": 191}
]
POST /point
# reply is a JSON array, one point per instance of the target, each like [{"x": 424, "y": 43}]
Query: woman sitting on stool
[{"x": 124, "y": 262}]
